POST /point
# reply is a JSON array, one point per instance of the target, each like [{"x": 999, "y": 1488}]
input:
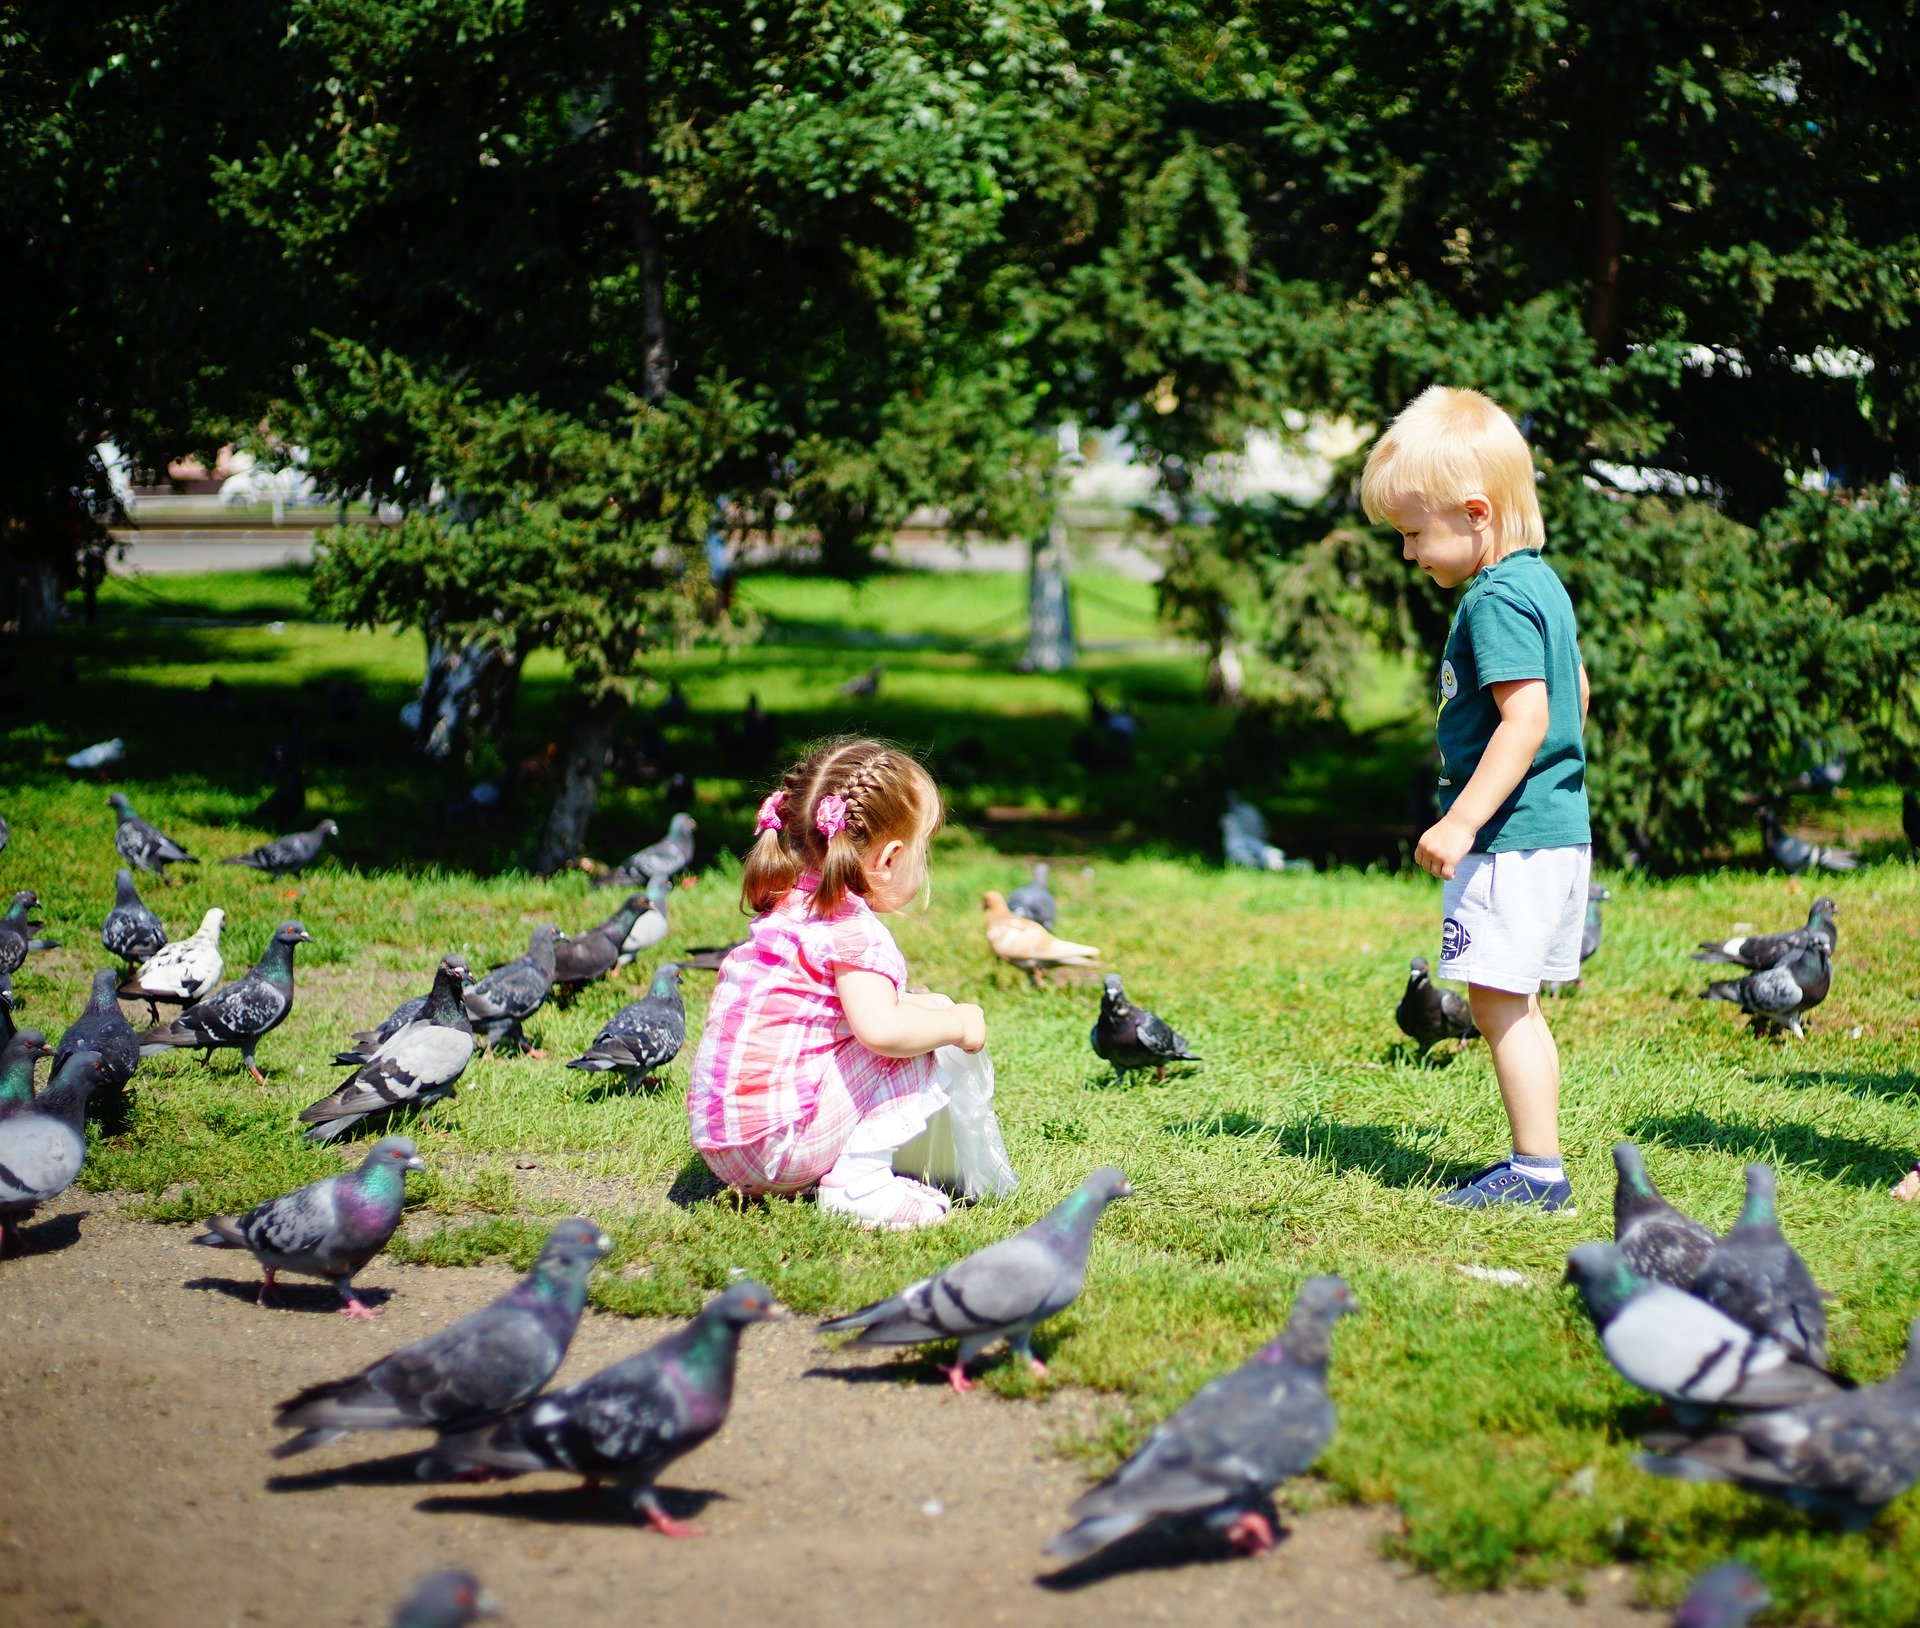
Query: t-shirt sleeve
[
  {"x": 1509, "y": 640},
  {"x": 861, "y": 944}
]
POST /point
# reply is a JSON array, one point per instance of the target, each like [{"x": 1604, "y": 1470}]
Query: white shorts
[{"x": 1513, "y": 919}]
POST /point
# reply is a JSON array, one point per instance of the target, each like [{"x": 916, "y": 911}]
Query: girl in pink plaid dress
[{"x": 816, "y": 1066}]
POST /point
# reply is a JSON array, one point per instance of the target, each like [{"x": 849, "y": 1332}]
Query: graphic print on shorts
[{"x": 1454, "y": 939}]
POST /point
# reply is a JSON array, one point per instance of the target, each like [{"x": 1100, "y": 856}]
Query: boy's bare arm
[
  {"x": 1586, "y": 694},
  {"x": 1509, "y": 755}
]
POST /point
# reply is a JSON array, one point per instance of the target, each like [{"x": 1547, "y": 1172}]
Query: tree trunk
[
  {"x": 39, "y": 596},
  {"x": 1603, "y": 295},
  {"x": 1050, "y": 644},
  {"x": 656, "y": 362},
  {"x": 467, "y": 695},
  {"x": 565, "y": 838}
]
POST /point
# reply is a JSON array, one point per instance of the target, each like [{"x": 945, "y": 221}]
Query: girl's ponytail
[{"x": 771, "y": 870}]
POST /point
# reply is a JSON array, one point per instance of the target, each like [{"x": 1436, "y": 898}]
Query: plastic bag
[{"x": 961, "y": 1148}]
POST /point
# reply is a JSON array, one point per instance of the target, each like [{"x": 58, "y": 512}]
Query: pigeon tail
[{"x": 223, "y": 1232}]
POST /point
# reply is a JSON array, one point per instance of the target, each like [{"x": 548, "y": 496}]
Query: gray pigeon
[
  {"x": 468, "y": 1373},
  {"x": 1795, "y": 854},
  {"x": 866, "y": 686},
  {"x": 328, "y": 1229},
  {"x": 8, "y": 1000},
  {"x": 1428, "y": 1014},
  {"x": 417, "y": 1064},
  {"x": 17, "y": 931},
  {"x": 1658, "y": 1241},
  {"x": 1846, "y": 1456},
  {"x": 445, "y": 1599},
  {"x": 643, "y": 1036},
  {"x": 1003, "y": 1291},
  {"x": 1130, "y": 1037},
  {"x": 651, "y": 927},
  {"x": 143, "y": 846},
  {"x": 131, "y": 931},
  {"x": 628, "y": 1422},
  {"x": 287, "y": 856},
  {"x": 500, "y": 1002},
  {"x": 104, "y": 1032},
  {"x": 239, "y": 1013},
  {"x": 1756, "y": 1278},
  {"x": 19, "y": 1054},
  {"x": 42, "y": 1146},
  {"x": 669, "y": 856},
  {"x": 367, "y": 1041},
  {"x": 1035, "y": 901},
  {"x": 1757, "y": 952},
  {"x": 1680, "y": 1348},
  {"x": 1780, "y": 996},
  {"x": 1590, "y": 930},
  {"x": 1726, "y": 1597},
  {"x": 1221, "y": 1456},
  {"x": 596, "y": 952}
]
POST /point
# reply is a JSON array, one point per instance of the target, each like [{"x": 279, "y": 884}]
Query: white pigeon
[
  {"x": 181, "y": 972},
  {"x": 102, "y": 755},
  {"x": 651, "y": 927}
]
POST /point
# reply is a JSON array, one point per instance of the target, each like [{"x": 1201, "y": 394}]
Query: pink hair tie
[
  {"x": 830, "y": 815},
  {"x": 769, "y": 816}
]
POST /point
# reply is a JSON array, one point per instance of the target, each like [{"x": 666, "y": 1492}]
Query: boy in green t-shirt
[{"x": 1454, "y": 477}]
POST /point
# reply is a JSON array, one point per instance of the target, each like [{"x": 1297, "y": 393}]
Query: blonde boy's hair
[{"x": 1447, "y": 444}]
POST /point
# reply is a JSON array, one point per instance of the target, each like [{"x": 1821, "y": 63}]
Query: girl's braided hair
[{"x": 882, "y": 792}]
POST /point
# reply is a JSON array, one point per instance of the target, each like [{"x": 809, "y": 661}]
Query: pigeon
[
  {"x": 673, "y": 709},
  {"x": 239, "y": 1013},
  {"x": 17, "y": 930},
  {"x": 1658, "y": 1241},
  {"x": 1429, "y": 1014},
  {"x": 8, "y": 1000},
  {"x": 469, "y": 1373},
  {"x": 101, "y": 755},
  {"x": 756, "y": 739},
  {"x": 1243, "y": 837},
  {"x": 368, "y": 1041},
  {"x": 287, "y": 856},
  {"x": 1678, "y": 1347},
  {"x": 1826, "y": 766},
  {"x": 665, "y": 858},
  {"x": 22, "y": 1051},
  {"x": 651, "y": 927},
  {"x": 143, "y": 846},
  {"x": 1780, "y": 996},
  {"x": 1130, "y": 1037},
  {"x": 1846, "y": 1456},
  {"x": 131, "y": 931},
  {"x": 416, "y": 1065},
  {"x": 1756, "y": 1278},
  {"x": 1221, "y": 1455},
  {"x": 445, "y": 1599},
  {"x": 1004, "y": 1291},
  {"x": 1757, "y": 952},
  {"x": 500, "y": 1002},
  {"x": 627, "y": 1422},
  {"x": 104, "y": 1032},
  {"x": 183, "y": 972},
  {"x": 1034, "y": 901},
  {"x": 288, "y": 799},
  {"x": 328, "y": 1229},
  {"x": 6, "y": 836},
  {"x": 1910, "y": 815},
  {"x": 1028, "y": 945},
  {"x": 643, "y": 1036},
  {"x": 1794, "y": 854},
  {"x": 43, "y": 1145},
  {"x": 1589, "y": 931},
  {"x": 596, "y": 952},
  {"x": 866, "y": 686},
  {"x": 1729, "y": 1596}
]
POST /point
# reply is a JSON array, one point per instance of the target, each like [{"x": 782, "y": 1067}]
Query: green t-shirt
[{"x": 1514, "y": 621}]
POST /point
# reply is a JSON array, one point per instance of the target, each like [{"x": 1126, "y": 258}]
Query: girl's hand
[{"x": 973, "y": 1027}]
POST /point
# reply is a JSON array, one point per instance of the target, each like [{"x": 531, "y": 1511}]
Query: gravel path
[{"x": 135, "y": 1401}]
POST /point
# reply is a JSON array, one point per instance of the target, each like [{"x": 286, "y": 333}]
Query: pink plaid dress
[{"x": 780, "y": 1081}]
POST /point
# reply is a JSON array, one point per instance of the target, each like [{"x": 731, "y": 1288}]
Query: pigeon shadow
[
  {"x": 1165, "y": 1545},
  {"x": 624, "y": 1083},
  {"x": 1857, "y": 1082},
  {"x": 1372, "y": 1149},
  {"x": 569, "y": 1506},
  {"x": 1107, "y": 1080},
  {"x": 302, "y": 1297},
  {"x": 51, "y": 1236},
  {"x": 695, "y": 1184},
  {"x": 1840, "y": 1158},
  {"x": 395, "y": 1470}
]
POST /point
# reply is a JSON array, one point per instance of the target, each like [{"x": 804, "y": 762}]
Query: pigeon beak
[
  {"x": 487, "y": 1604},
  {"x": 777, "y": 1313},
  {"x": 605, "y": 1243},
  {"x": 415, "y": 1162},
  {"x": 1124, "y": 1190}
]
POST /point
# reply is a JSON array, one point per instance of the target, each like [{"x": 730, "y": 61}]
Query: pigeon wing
[{"x": 296, "y": 1225}]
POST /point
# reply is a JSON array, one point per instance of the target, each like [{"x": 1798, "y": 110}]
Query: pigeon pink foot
[
  {"x": 957, "y": 1378},
  {"x": 1251, "y": 1534}
]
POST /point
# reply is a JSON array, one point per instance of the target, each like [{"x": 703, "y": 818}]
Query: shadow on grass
[
  {"x": 301, "y": 1297},
  {"x": 1840, "y": 1158},
  {"x": 1857, "y": 1082},
  {"x": 570, "y": 1506},
  {"x": 696, "y": 1184},
  {"x": 1163, "y": 1546},
  {"x": 1373, "y": 1149}
]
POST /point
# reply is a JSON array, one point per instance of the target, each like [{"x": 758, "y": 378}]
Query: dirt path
[{"x": 135, "y": 1390}]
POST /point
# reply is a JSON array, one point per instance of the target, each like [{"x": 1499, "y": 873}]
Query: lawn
[{"x": 1307, "y": 1141}]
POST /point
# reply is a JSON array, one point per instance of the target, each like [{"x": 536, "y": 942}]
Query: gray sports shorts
[{"x": 1512, "y": 920}]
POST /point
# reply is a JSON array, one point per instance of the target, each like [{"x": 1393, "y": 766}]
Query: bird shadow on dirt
[
  {"x": 50, "y": 1237},
  {"x": 570, "y": 1506},
  {"x": 1162, "y": 1546},
  {"x": 395, "y": 1470},
  {"x": 303, "y": 1297}
]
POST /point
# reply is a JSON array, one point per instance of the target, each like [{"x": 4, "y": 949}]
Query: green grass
[{"x": 1306, "y": 1142}]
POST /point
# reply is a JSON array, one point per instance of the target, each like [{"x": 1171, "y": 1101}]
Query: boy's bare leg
[{"x": 1526, "y": 1063}]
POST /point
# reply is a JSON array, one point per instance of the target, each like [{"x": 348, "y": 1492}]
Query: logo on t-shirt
[{"x": 1449, "y": 680}]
